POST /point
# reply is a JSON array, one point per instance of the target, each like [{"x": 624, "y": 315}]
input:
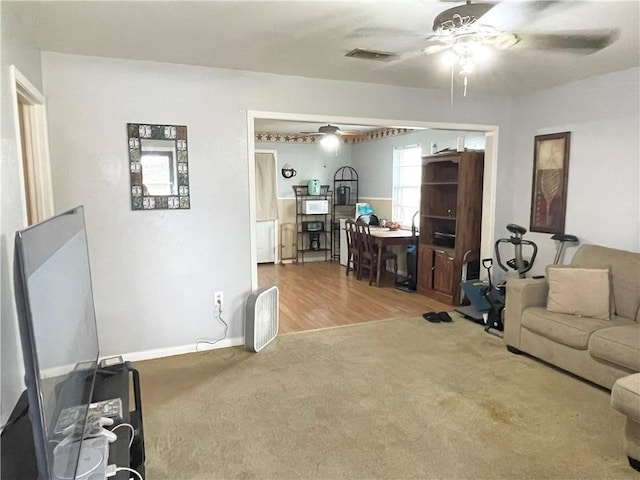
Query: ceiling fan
[
  {"x": 471, "y": 24},
  {"x": 468, "y": 33},
  {"x": 330, "y": 135},
  {"x": 331, "y": 130}
]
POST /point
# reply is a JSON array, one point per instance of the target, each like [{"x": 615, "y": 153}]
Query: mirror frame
[{"x": 136, "y": 132}]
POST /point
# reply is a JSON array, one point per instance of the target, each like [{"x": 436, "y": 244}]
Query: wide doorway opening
[{"x": 319, "y": 294}]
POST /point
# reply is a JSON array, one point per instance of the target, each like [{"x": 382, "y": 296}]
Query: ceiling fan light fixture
[
  {"x": 467, "y": 54},
  {"x": 481, "y": 53},
  {"x": 444, "y": 25},
  {"x": 449, "y": 59},
  {"x": 329, "y": 141},
  {"x": 466, "y": 66}
]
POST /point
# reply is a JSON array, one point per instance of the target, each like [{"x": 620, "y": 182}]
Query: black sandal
[
  {"x": 444, "y": 317},
  {"x": 432, "y": 317}
]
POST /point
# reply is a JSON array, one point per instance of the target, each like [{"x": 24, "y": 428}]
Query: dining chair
[
  {"x": 353, "y": 249},
  {"x": 369, "y": 253}
]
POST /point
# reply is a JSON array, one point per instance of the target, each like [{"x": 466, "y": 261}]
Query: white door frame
[
  {"x": 490, "y": 166},
  {"x": 36, "y": 143},
  {"x": 276, "y": 223}
]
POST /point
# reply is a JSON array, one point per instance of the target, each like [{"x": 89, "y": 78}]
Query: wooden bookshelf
[{"x": 450, "y": 221}]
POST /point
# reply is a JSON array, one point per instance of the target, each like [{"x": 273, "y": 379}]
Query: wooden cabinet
[
  {"x": 443, "y": 272},
  {"x": 450, "y": 221},
  {"x": 424, "y": 274}
]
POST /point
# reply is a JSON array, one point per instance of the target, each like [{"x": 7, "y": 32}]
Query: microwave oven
[{"x": 313, "y": 207}]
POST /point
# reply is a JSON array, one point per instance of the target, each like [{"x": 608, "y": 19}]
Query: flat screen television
[{"x": 56, "y": 317}]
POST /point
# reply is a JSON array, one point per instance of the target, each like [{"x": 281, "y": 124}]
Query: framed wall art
[{"x": 550, "y": 175}]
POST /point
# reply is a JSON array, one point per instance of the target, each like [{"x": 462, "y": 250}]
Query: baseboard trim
[{"x": 181, "y": 350}]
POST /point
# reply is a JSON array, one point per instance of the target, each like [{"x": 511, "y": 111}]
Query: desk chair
[
  {"x": 353, "y": 249},
  {"x": 369, "y": 253}
]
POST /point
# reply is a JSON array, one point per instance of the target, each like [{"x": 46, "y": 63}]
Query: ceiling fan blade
[
  {"x": 507, "y": 16},
  {"x": 312, "y": 134},
  {"x": 392, "y": 32},
  {"x": 349, "y": 133},
  {"x": 436, "y": 48},
  {"x": 578, "y": 42}
]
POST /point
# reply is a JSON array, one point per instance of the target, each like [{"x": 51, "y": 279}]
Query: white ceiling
[{"x": 310, "y": 38}]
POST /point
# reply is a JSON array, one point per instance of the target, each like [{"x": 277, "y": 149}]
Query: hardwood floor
[{"x": 319, "y": 294}]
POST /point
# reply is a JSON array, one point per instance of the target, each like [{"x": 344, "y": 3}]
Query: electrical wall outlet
[{"x": 218, "y": 298}]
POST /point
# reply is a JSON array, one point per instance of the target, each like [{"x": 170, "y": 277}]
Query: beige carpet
[{"x": 394, "y": 399}]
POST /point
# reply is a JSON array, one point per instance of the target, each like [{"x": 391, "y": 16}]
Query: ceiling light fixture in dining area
[{"x": 330, "y": 141}]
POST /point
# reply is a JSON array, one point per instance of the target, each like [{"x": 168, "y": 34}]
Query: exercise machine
[
  {"x": 475, "y": 290},
  {"x": 517, "y": 263},
  {"x": 496, "y": 296},
  {"x": 563, "y": 239},
  {"x": 487, "y": 300}
]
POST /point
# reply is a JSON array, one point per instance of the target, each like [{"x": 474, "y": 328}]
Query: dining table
[{"x": 384, "y": 237}]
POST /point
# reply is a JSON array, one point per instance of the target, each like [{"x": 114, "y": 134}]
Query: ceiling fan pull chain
[{"x": 451, "y": 83}]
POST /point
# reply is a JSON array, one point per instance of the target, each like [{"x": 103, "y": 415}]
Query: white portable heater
[{"x": 262, "y": 317}]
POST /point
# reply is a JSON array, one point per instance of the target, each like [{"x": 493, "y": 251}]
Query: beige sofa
[
  {"x": 606, "y": 352},
  {"x": 625, "y": 397},
  {"x": 600, "y": 351}
]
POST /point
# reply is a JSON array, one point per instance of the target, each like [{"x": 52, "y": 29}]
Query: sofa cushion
[
  {"x": 625, "y": 396},
  {"x": 625, "y": 275},
  {"x": 580, "y": 291},
  {"x": 618, "y": 345},
  {"x": 564, "y": 328}
]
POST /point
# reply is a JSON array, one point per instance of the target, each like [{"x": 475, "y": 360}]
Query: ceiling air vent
[{"x": 371, "y": 55}]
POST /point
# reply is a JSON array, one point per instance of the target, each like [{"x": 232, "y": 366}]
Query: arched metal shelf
[{"x": 345, "y": 197}]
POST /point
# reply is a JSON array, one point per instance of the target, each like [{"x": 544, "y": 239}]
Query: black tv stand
[{"x": 18, "y": 455}]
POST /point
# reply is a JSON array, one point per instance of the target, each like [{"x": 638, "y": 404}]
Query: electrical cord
[
  {"x": 133, "y": 432},
  {"x": 226, "y": 328},
  {"x": 127, "y": 469},
  {"x": 112, "y": 470}
]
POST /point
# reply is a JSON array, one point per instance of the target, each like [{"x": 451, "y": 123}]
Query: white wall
[
  {"x": 603, "y": 195},
  {"x": 309, "y": 160},
  {"x": 374, "y": 160},
  {"x": 155, "y": 271},
  {"x": 20, "y": 52}
]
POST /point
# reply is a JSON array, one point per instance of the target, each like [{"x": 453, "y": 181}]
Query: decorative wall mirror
[{"x": 159, "y": 166}]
